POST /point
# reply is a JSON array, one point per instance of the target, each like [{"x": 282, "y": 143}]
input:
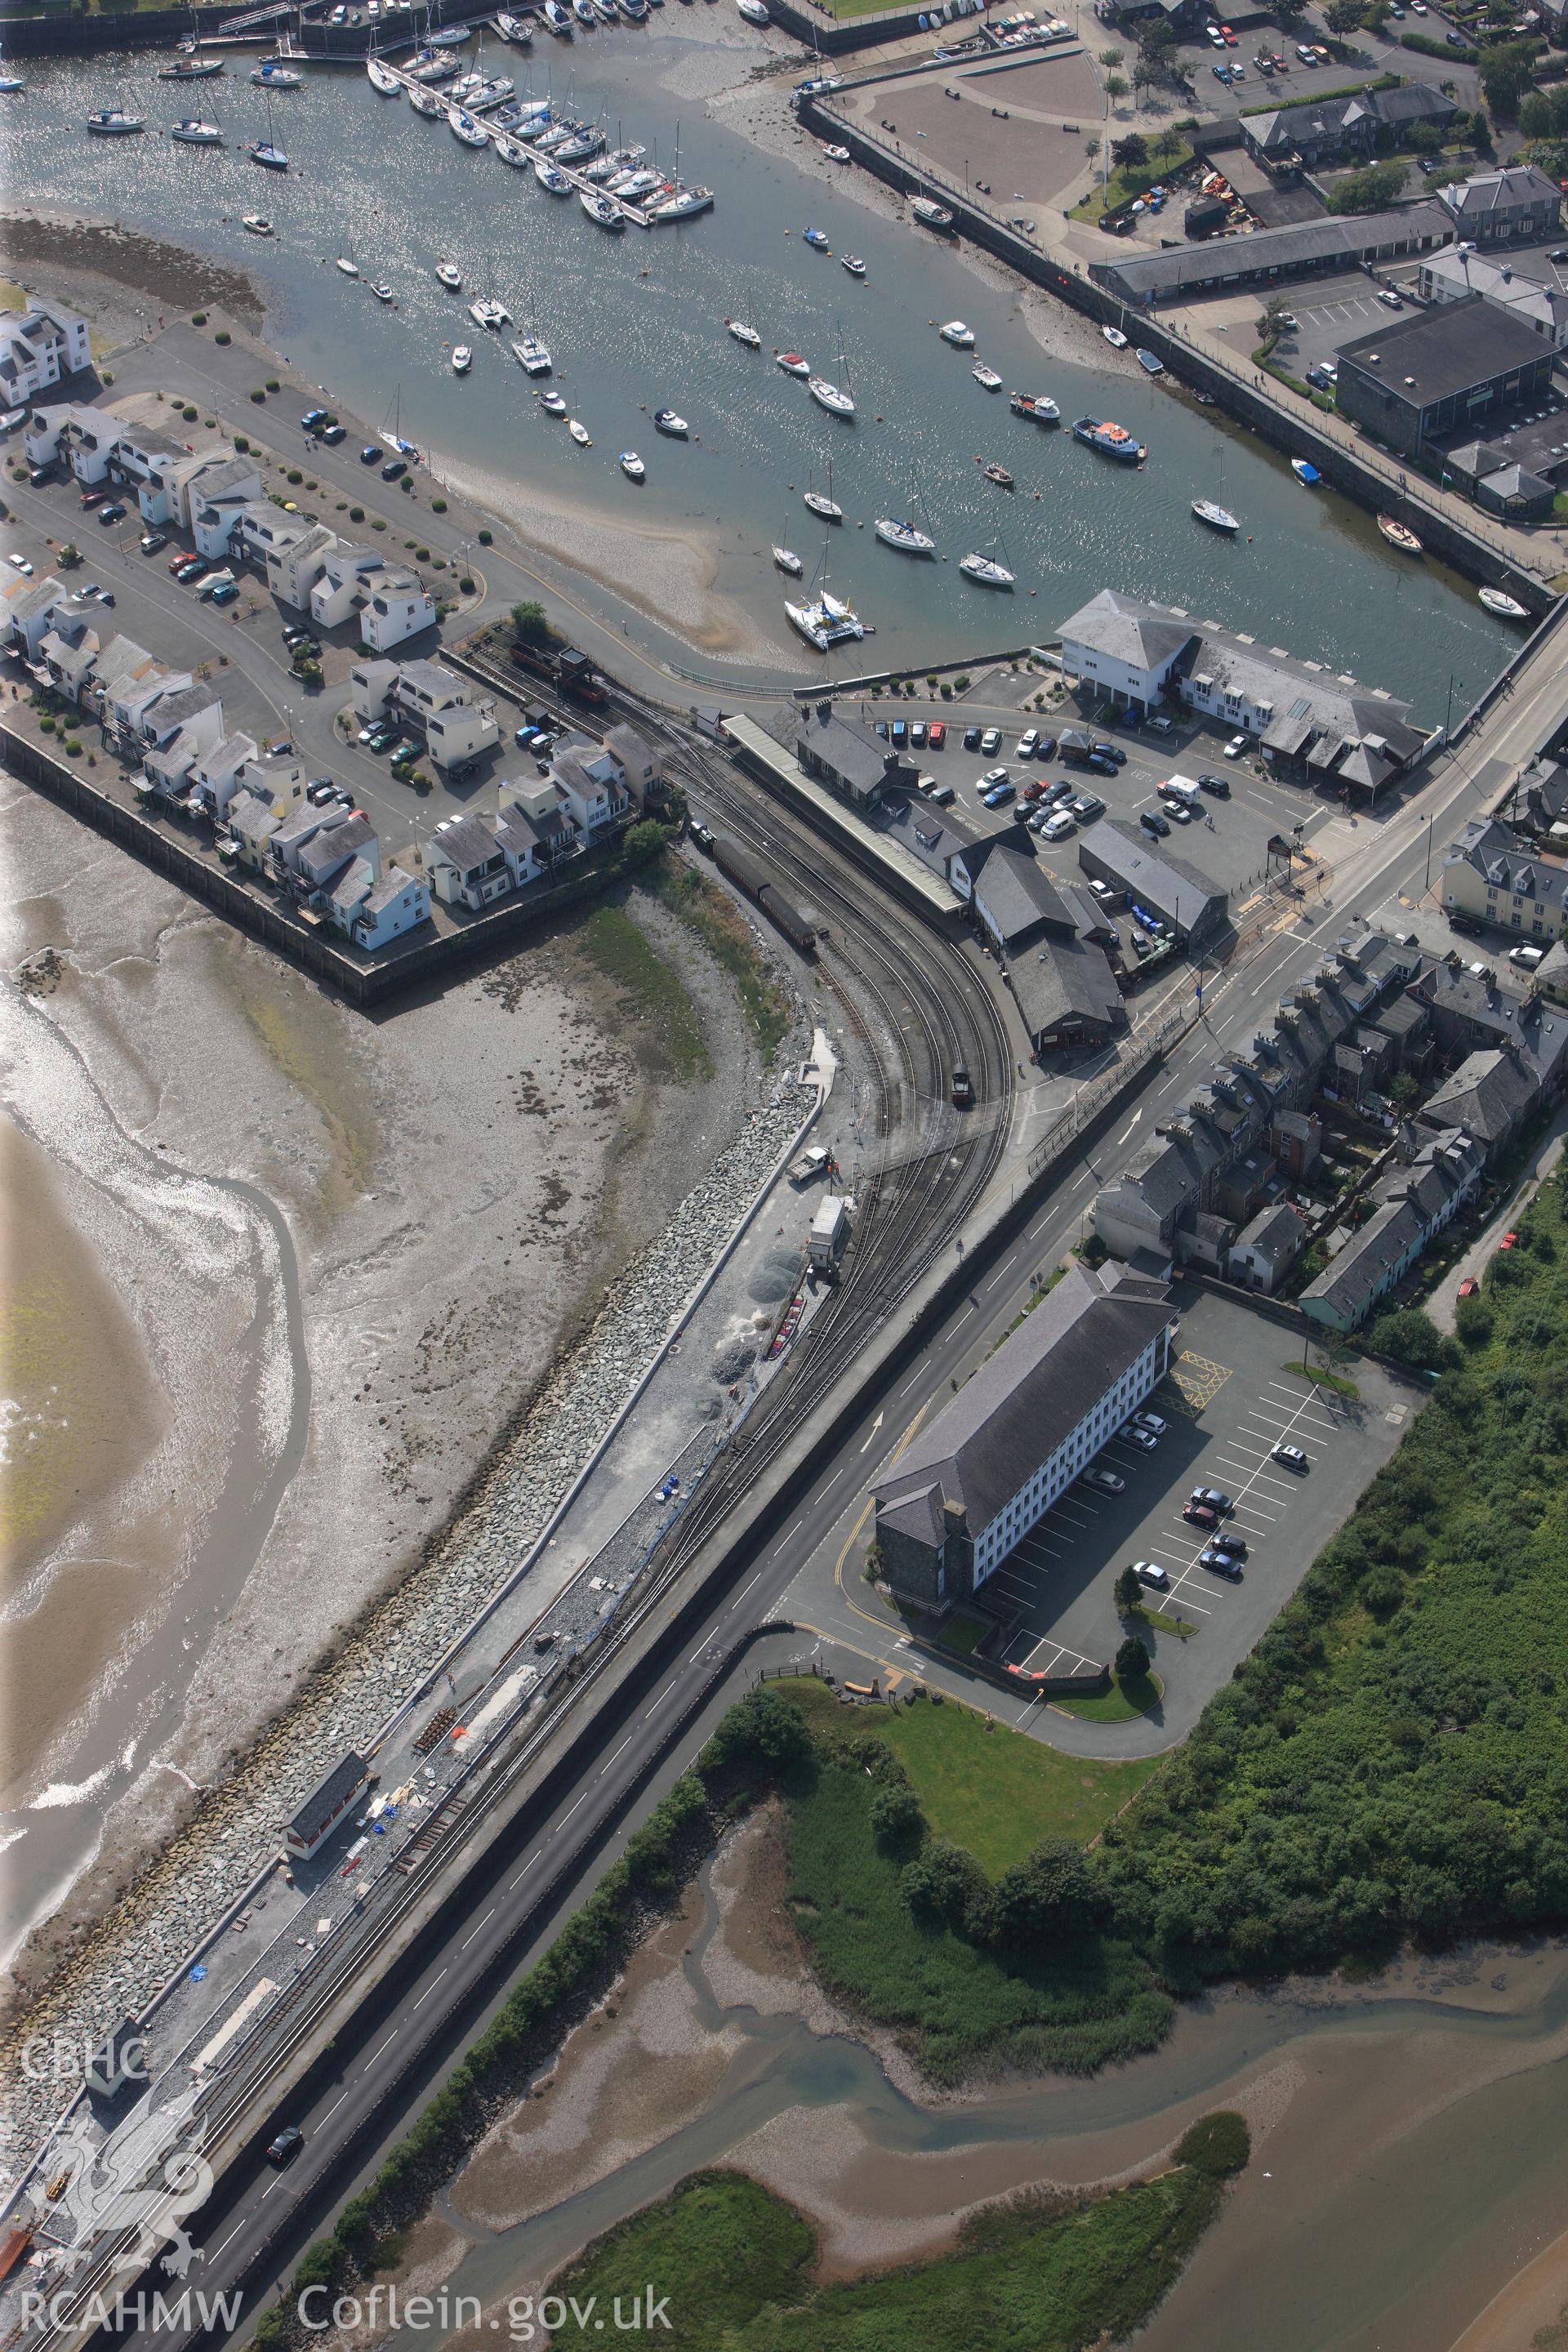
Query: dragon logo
[{"x": 147, "y": 2177}]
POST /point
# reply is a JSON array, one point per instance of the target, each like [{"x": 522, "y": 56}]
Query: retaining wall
[{"x": 1295, "y": 435}]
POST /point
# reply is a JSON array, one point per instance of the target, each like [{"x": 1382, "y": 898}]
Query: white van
[{"x": 1184, "y": 789}]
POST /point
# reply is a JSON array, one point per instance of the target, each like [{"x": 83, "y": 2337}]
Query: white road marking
[
  {"x": 433, "y": 1983},
  {"x": 469, "y": 1937}
]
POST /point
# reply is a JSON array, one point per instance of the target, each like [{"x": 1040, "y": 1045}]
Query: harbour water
[{"x": 637, "y": 321}]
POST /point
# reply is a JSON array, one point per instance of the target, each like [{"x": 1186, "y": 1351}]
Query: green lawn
[
  {"x": 1040, "y": 2273},
  {"x": 1122, "y": 1703},
  {"x": 994, "y": 1791},
  {"x": 654, "y": 989},
  {"x": 1324, "y": 1379}
]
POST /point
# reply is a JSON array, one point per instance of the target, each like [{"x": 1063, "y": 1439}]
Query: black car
[
  {"x": 1560, "y": 255},
  {"x": 1153, "y": 821},
  {"x": 285, "y": 2146},
  {"x": 1109, "y": 751},
  {"x": 1219, "y": 786},
  {"x": 369, "y": 454},
  {"x": 40, "y": 475},
  {"x": 393, "y": 467},
  {"x": 971, "y": 739},
  {"x": 1100, "y": 764},
  {"x": 1457, "y": 41}
]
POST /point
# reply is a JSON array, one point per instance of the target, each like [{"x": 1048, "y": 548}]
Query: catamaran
[
  {"x": 531, "y": 356},
  {"x": 485, "y": 313},
  {"x": 827, "y": 623}
]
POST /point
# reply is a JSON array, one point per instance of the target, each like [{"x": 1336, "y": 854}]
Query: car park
[
  {"x": 152, "y": 541},
  {"x": 1198, "y": 1514},
  {"x": 1153, "y": 821},
  {"x": 285, "y": 2146},
  {"x": 112, "y": 514},
  {"x": 1290, "y": 1456},
  {"x": 1148, "y": 1571},
  {"x": 1104, "y": 1482}
]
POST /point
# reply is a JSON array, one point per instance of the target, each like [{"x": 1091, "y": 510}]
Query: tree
[
  {"x": 1343, "y": 15},
  {"x": 761, "y": 1725},
  {"x": 897, "y": 1820},
  {"x": 1129, "y": 1593},
  {"x": 1371, "y": 190},
  {"x": 1412, "y": 1337},
  {"x": 1127, "y": 155},
  {"x": 1111, "y": 58},
  {"x": 1049, "y": 1893},
  {"x": 1505, "y": 74},
  {"x": 1133, "y": 1660},
  {"x": 67, "y": 556},
  {"x": 945, "y": 1885},
  {"x": 1169, "y": 143},
  {"x": 1423, "y": 139},
  {"x": 645, "y": 842},
  {"x": 1115, "y": 85},
  {"x": 531, "y": 622},
  {"x": 1544, "y": 113}
]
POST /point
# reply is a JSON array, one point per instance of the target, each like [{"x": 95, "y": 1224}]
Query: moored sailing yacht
[
  {"x": 192, "y": 133},
  {"x": 1398, "y": 535},
  {"x": 1218, "y": 518},
  {"x": 903, "y": 536},
  {"x": 381, "y": 78},
  {"x": 836, "y": 398},
  {"x": 986, "y": 571}
]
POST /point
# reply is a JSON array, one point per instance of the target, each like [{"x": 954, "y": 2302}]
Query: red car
[
  {"x": 93, "y": 498},
  {"x": 179, "y": 561},
  {"x": 1469, "y": 1288},
  {"x": 936, "y": 734},
  {"x": 1508, "y": 1241},
  {"x": 1227, "y": 36},
  {"x": 1198, "y": 1514}
]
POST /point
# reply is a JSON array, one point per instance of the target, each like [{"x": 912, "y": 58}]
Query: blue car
[
  {"x": 313, "y": 418},
  {"x": 369, "y": 454},
  {"x": 997, "y": 795}
]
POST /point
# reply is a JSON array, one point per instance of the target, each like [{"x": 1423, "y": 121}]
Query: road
[{"x": 256, "y": 2226}]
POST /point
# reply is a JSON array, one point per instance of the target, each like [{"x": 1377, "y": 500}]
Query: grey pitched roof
[
  {"x": 1127, "y": 629},
  {"x": 1489, "y": 847},
  {"x": 1513, "y": 187},
  {"x": 519, "y": 832},
  {"x": 1274, "y": 1233},
  {"x": 1412, "y": 1199},
  {"x": 1063, "y": 979},
  {"x": 328, "y": 1796},
  {"x": 851, "y": 750},
  {"x": 466, "y": 841},
  {"x": 392, "y": 885},
  {"x": 1018, "y": 895},
  {"x": 1486, "y": 1095},
  {"x": 918, "y": 1513},
  {"x": 1351, "y": 237},
  {"x": 1165, "y": 884},
  {"x": 1014, "y": 1412}
]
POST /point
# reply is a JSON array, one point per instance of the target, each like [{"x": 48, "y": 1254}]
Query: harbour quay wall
[
  {"x": 1296, "y": 436},
  {"x": 818, "y": 31},
  {"x": 361, "y": 980}
]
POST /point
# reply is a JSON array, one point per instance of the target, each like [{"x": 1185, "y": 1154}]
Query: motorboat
[
  {"x": 1505, "y": 607},
  {"x": 270, "y": 77},
  {"x": 793, "y": 364},
  {"x": 1036, "y": 405},
  {"x": 683, "y": 205},
  {"x": 817, "y": 239},
  {"x": 633, "y": 11},
  {"x": 531, "y": 356},
  {"x": 853, "y": 264},
  {"x": 1398, "y": 535},
  {"x": 955, "y": 332},
  {"x": 1150, "y": 363},
  {"x": 258, "y": 224},
  {"x": 270, "y": 158},
  {"x": 1110, "y": 439},
  {"x": 450, "y": 275},
  {"x": 1115, "y": 337},
  {"x": 999, "y": 475},
  {"x": 381, "y": 78},
  {"x": 930, "y": 214},
  {"x": 191, "y": 70},
  {"x": 10, "y": 84},
  {"x": 605, "y": 11},
  {"x": 632, "y": 186},
  {"x": 986, "y": 571},
  {"x": 788, "y": 561},
  {"x": 903, "y": 536},
  {"x": 515, "y": 28},
  {"x": 753, "y": 12},
  {"x": 1308, "y": 475},
  {"x": 558, "y": 19},
  {"x": 602, "y": 210},
  {"x": 349, "y": 268},
  {"x": 837, "y": 154},
  {"x": 553, "y": 403},
  {"x": 464, "y": 127},
  {"x": 192, "y": 133},
  {"x": 554, "y": 182},
  {"x": 632, "y": 466},
  {"x": 986, "y": 377},
  {"x": 831, "y": 396},
  {"x": 666, "y": 421},
  {"x": 827, "y": 623},
  {"x": 382, "y": 290},
  {"x": 113, "y": 122},
  {"x": 745, "y": 334},
  {"x": 579, "y": 433},
  {"x": 820, "y": 504},
  {"x": 462, "y": 360},
  {"x": 1218, "y": 518},
  {"x": 486, "y": 313},
  {"x": 424, "y": 102}
]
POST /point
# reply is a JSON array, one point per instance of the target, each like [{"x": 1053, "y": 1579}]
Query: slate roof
[
  {"x": 328, "y": 1798},
  {"x": 1354, "y": 237},
  {"x": 1013, "y": 1414},
  {"x": 1515, "y": 187},
  {"x": 392, "y": 885},
  {"x": 1126, "y": 629},
  {"x": 1017, "y": 896},
  {"x": 1489, "y": 847},
  {"x": 466, "y": 841},
  {"x": 1487, "y": 1095},
  {"x": 1277, "y": 1234},
  {"x": 860, "y": 758},
  {"x": 1414, "y": 1198},
  {"x": 1058, "y": 980},
  {"x": 1171, "y": 888}
]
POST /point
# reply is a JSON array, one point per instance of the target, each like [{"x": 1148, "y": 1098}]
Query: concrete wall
[{"x": 1293, "y": 432}]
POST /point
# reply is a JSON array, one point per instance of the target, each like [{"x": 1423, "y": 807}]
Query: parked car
[
  {"x": 1152, "y": 1420},
  {"x": 285, "y": 2146},
  {"x": 39, "y": 475},
  {"x": 1086, "y": 806},
  {"x": 312, "y": 418},
  {"x": 21, "y": 565},
  {"x": 1527, "y": 956},
  {"x": 91, "y": 498},
  {"x": 113, "y": 512},
  {"x": 191, "y": 567},
  {"x": 1059, "y": 827},
  {"x": 1148, "y": 1571},
  {"x": 1469, "y": 1288},
  {"x": 152, "y": 541},
  {"x": 226, "y": 593},
  {"x": 1153, "y": 821},
  {"x": 333, "y": 434},
  {"x": 998, "y": 796},
  {"x": 991, "y": 741},
  {"x": 393, "y": 467},
  {"x": 1104, "y": 1482},
  {"x": 993, "y": 777},
  {"x": 1237, "y": 748},
  {"x": 1112, "y": 751},
  {"x": 1292, "y": 1455},
  {"x": 1212, "y": 1497},
  {"x": 936, "y": 734},
  {"x": 1389, "y": 298},
  {"x": 1144, "y": 1439},
  {"x": 917, "y": 734},
  {"x": 1024, "y": 747},
  {"x": 1219, "y": 1563},
  {"x": 971, "y": 739},
  {"x": 1508, "y": 1241},
  {"x": 1219, "y": 786},
  {"x": 1198, "y": 1514},
  {"x": 369, "y": 454}
]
